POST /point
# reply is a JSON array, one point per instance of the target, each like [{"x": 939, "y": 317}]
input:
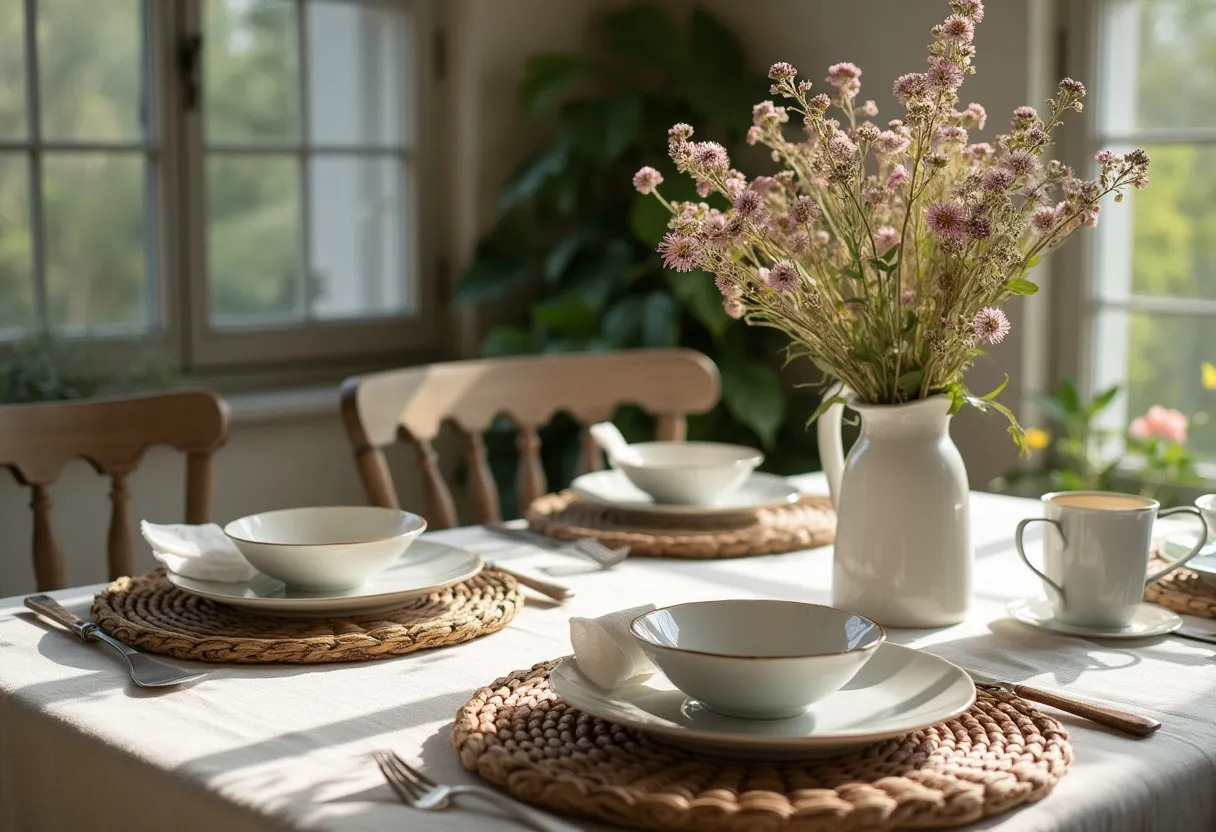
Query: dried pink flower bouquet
[{"x": 885, "y": 253}]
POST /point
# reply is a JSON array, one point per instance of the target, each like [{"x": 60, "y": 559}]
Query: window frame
[
  {"x": 1075, "y": 299},
  {"x": 181, "y": 332}
]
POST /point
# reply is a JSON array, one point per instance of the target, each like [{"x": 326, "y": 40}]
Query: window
[
  {"x": 1153, "y": 322},
  {"x": 241, "y": 177}
]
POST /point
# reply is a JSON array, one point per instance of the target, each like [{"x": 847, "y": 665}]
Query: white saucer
[
  {"x": 425, "y": 567},
  {"x": 1204, "y": 564},
  {"x": 899, "y": 690},
  {"x": 612, "y": 488},
  {"x": 1150, "y": 620}
]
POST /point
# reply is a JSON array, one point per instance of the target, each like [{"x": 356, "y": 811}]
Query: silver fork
[
  {"x": 145, "y": 671},
  {"x": 587, "y": 547},
  {"x": 417, "y": 790}
]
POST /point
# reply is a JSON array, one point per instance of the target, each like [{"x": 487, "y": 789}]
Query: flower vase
[{"x": 903, "y": 540}]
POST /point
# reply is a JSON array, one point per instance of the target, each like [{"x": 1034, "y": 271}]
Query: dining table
[{"x": 264, "y": 747}]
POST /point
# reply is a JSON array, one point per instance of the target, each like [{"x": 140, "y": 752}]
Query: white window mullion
[{"x": 34, "y": 127}]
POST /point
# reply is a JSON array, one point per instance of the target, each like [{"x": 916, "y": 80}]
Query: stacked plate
[
  {"x": 612, "y": 488},
  {"x": 899, "y": 690}
]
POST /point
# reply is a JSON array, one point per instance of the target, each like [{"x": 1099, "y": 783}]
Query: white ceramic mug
[
  {"x": 1095, "y": 566},
  {"x": 1207, "y": 507}
]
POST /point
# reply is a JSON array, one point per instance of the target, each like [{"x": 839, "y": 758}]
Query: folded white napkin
[
  {"x": 606, "y": 652},
  {"x": 203, "y": 552}
]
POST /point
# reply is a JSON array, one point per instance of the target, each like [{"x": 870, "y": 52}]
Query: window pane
[
  {"x": 359, "y": 235},
  {"x": 1158, "y": 64},
  {"x": 357, "y": 73},
  {"x": 97, "y": 241},
  {"x": 253, "y": 239},
  {"x": 17, "y": 313},
  {"x": 251, "y": 79},
  {"x": 90, "y": 58},
  {"x": 1162, "y": 356},
  {"x": 1165, "y": 245},
  {"x": 12, "y": 70}
]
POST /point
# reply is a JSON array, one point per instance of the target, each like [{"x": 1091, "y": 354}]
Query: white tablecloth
[{"x": 257, "y": 748}]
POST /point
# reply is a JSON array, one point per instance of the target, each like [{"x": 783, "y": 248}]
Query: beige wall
[{"x": 303, "y": 460}]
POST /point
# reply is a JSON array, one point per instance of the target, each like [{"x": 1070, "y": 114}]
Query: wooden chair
[
  {"x": 411, "y": 404},
  {"x": 37, "y": 440}
]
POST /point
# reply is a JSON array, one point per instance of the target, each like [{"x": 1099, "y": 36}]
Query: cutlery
[
  {"x": 418, "y": 791},
  {"x": 1195, "y": 634},
  {"x": 587, "y": 547},
  {"x": 145, "y": 672},
  {"x": 557, "y": 592},
  {"x": 1117, "y": 718}
]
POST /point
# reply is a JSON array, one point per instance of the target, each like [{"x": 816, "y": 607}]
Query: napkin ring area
[
  {"x": 149, "y": 613},
  {"x": 1183, "y": 590},
  {"x": 519, "y": 735},
  {"x": 806, "y": 524}
]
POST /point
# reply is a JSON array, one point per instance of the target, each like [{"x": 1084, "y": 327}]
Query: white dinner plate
[
  {"x": 1149, "y": 620},
  {"x": 612, "y": 488},
  {"x": 425, "y": 567},
  {"x": 899, "y": 690},
  {"x": 1204, "y": 563}
]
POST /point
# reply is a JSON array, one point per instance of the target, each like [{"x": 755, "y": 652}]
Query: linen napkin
[
  {"x": 203, "y": 552},
  {"x": 606, "y": 652}
]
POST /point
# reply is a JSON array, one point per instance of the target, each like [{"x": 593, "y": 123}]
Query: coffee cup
[
  {"x": 1207, "y": 507},
  {"x": 1096, "y": 559}
]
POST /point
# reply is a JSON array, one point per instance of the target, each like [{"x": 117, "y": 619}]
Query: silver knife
[
  {"x": 1117, "y": 718},
  {"x": 145, "y": 672}
]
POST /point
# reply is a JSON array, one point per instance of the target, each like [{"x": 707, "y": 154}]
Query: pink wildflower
[
  {"x": 1020, "y": 162},
  {"x": 947, "y": 219},
  {"x": 726, "y": 286},
  {"x": 647, "y": 179},
  {"x": 1024, "y": 116},
  {"x": 952, "y": 133},
  {"x": 750, "y": 205},
  {"x": 990, "y": 325},
  {"x": 767, "y": 112},
  {"x": 890, "y": 143},
  {"x": 845, "y": 77},
  {"x": 764, "y": 184},
  {"x": 976, "y": 115},
  {"x": 898, "y": 177},
  {"x": 1043, "y": 220},
  {"x": 753, "y": 134},
  {"x": 804, "y": 210},
  {"x": 680, "y": 132},
  {"x": 944, "y": 75},
  {"x": 783, "y": 277},
  {"x": 1105, "y": 157},
  {"x": 958, "y": 30},
  {"x": 822, "y": 237},
  {"x": 799, "y": 242},
  {"x": 1160, "y": 423},
  {"x": 978, "y": 152},
  {"x": 841, "y": 148},
  {"x": 869, "y": 108},
  {"x": 979, "y": 227},
  {"x": 886, "y": 237},
  {"x": 710, "y": 156},
  {"x": 997, "y": 179},
  {"x": 971, "y": 9},
  {"x": 733, "y": 308},
  {"x": 911, "y": 85},
  {"x": 680, "y": 251},
  {"x": 907, "y": 297},
  {"x": 782, "y": 71},
  {"x": 704, "y": 188}
]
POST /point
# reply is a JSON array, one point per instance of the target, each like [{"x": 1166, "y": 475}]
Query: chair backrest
[
  {"x": 412, "y": 404},
  {"x": 38, "y": 440}
]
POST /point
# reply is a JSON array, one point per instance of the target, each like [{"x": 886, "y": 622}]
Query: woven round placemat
[
  {"x": 149, "y": 613},
  {"x": 518, "y": 734},
  {"x": 1181, "y": 591},
  {"x": 805, "y": 524}
]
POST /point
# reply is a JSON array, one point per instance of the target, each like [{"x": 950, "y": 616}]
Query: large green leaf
[
  {"x": 697, "y": 292},
  {"x": 753, "y": 394},
  {"x": 645, "y": 33},
  {"x": 648, "y": 219},
  {"x": 536, "y": 170},
  {"x": 488, "y": 279},
  {"x": 660, "y": 325},
  {"x": 508, "y": 340},
  {"x": 717, "y": 80},
  {"x": 567, "y": 315},
  {"x": 546, "y": 75},
  {"x": 565, "y": 250}
]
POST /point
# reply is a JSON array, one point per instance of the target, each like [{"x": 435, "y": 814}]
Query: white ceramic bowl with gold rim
[
  {"x": 757, "y": 659},
  {"x": 689, "y": 473},
  {"x": 325, "y": 548}
]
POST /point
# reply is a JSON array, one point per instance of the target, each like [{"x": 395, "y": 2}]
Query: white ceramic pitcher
[{"x": 903, "y": 538}]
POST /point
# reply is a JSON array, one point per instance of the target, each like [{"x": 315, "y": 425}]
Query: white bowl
[
  {"x": 757, "y": 659},
  {"x": 1207, "y": 507},
  {"x": 690, "y": 473},
  {"x": 325, "y": 548}
]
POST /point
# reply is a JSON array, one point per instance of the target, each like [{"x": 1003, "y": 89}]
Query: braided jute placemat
[
  {"x": 518, "y": 734},
  {"x": 808, "y": 523},
  {"x": 1181, "y": 591},
  {"x": 149, "y": 613}
]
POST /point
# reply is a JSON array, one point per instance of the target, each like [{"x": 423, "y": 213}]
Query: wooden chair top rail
[
  {"x": 38, "y": 440},
  {"x": 530, "y": 390}
]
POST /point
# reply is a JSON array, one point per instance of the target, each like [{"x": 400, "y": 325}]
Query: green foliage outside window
[{"x": 574, "y": 234}]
